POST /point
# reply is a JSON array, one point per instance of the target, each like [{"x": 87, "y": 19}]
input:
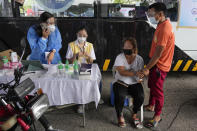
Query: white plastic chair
[{"x": 131, "y": 99}]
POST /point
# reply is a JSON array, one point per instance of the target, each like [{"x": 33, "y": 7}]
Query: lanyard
[{"x": 82, "y": 49}]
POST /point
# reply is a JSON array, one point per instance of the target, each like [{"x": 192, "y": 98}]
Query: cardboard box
[{"x": 7, "y": 54}]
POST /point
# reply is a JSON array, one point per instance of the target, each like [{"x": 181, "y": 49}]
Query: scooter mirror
[{"x": 23, "y": 46}]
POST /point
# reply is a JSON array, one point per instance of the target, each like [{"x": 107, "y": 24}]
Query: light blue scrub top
[{"x": 39, "y": 45}]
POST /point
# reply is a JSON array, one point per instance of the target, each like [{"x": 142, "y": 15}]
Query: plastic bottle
[
  {"x": 76, "y": 67},
  {"x": 60, "y": 69},
  {"x": 66, "y": 73},
  {"x": 66, "y": 66},
  {"x": 76, "y": 70},
  {"x": 6, "y": 63}
]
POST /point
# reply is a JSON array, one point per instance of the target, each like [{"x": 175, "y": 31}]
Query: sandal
[
  {"x": 137, "y": 123},
  {"x": 122, "y": 124},
  {"x": 147, "y": 108},
  {"x": 152, "y": 123}
]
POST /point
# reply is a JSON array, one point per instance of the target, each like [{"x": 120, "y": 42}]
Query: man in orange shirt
[{"x": 161, "y": 54}]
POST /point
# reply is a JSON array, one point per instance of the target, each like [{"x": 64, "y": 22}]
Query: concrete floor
[{"x": 180, "y": 90}]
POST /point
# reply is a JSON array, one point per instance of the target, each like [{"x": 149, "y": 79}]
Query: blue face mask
[{"x": 153, "y": 20}]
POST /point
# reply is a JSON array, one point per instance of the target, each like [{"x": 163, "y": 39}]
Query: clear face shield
[{"x": 151, "y": 17}]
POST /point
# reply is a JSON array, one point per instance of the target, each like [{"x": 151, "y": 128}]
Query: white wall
[{"x": 186, "y": 40}]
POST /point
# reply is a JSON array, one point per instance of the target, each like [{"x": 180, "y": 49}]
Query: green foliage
[{"x": 145, "y": 3}]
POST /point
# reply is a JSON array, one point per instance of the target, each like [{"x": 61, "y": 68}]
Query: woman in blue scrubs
[{"x": 45, "y": 40}]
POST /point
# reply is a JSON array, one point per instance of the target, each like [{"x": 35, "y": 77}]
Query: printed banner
[{"x": 188, "y": 13}]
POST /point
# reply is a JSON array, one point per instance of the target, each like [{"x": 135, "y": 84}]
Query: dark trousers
[{"x": 120, "y": 92}]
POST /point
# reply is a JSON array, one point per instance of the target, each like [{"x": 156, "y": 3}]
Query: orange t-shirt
[{"x": 164, "y": 36}]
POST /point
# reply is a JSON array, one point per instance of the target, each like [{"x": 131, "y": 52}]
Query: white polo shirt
[{"x": 69, "y": 53}]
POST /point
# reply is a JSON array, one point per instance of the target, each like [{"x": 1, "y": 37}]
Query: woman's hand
[
  {"x": 46, "y": 33},
  {"x": 86, "y": 55},
  {"x": 80, "y": 54},
  {"x": 140, "y": 74},
  {"x": 50, "y": 57},
  {"x": 88, "y": 58}
]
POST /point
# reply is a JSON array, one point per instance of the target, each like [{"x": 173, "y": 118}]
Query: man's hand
[
  {"x": 145, "y": 71},
  {"x": 50, "y": 57}
]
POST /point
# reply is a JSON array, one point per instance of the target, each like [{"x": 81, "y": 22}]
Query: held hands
[
  {"x": 86, "y": 55},
  {"x": 146, "y": 71},
  {"x": 142, "y": 73},
  {"x": 82, "y": 54},
  {"x": 140, "y": 76}
]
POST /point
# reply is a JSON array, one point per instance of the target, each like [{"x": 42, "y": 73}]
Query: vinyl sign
[{"x": 188, "y": 13}]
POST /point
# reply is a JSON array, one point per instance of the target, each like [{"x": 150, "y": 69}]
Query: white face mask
[
  {"x": 51, "y": 28},
  {"x": 81, "y": 39},
  {"x": 153, "y": 20}
]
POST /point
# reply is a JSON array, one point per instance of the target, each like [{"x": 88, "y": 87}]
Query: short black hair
[
  {"x": 159, "y": 6},
  {"x": 45, "y": 16},
  {"x": 82, "y": 28}
]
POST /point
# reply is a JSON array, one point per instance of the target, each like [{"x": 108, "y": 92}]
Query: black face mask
[{"x": 127, "y": 51}]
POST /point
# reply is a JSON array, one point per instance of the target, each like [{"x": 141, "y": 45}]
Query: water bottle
[
  {"x": 76, "y": 70},
  {"x": 6, "y": 63},
  {"x": 66, "y": 73},
  {"x": 66, "y": 66},
  {"x": 60, "y": 69},
  {"x": 76, "y": 67}
]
